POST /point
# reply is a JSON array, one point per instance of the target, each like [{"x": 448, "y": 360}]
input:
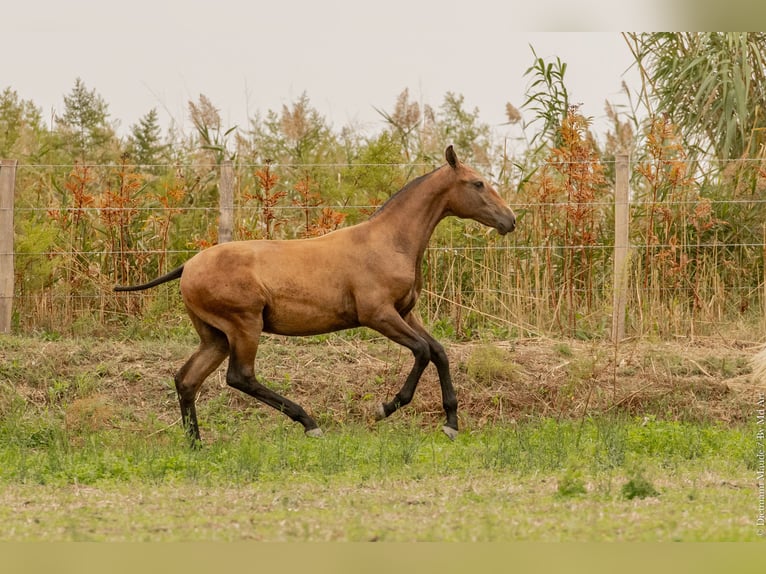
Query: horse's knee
[
  {"x": 438, "y": 354},
  {"x": 422, "y": 352}
]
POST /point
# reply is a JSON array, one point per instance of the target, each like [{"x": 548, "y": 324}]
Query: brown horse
[{"x": 364, "y": 275}]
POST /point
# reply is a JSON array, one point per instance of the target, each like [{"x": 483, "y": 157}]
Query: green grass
[
  {"x": 261, "y": 479},
  {"x": 89, "y": 449}
]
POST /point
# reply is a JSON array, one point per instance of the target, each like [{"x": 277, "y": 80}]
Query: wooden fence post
[
  {"x": 7, "y": 185},
  {"x": 226, "y": 202},
  {"x": 621, "y": 246}
]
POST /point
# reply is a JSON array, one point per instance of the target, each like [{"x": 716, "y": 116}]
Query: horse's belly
[{"x": 295, "y": 318}]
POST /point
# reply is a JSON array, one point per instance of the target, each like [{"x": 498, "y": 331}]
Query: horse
[{"x": 368, "y": 274}]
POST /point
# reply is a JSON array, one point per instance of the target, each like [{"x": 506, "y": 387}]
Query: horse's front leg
[
  {"x": 388, "y": 322},
  {"x": 441, "y": 361},
  {"x": 410, "y": 333}
]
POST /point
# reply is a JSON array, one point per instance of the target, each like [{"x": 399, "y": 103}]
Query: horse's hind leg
[
  {"x": 212, "y": 350},
  {"x": 241, "y": 376}
]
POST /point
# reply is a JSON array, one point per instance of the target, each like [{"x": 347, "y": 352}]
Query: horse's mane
[{"x": 409, "y": 185}]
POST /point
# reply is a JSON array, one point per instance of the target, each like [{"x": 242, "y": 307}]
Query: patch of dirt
[{"x": 342, "y": 379}]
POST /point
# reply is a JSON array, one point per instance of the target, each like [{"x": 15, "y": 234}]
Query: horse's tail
[
  {"x": 175, "y": 274},
  {"x": 758, "y": 363}
]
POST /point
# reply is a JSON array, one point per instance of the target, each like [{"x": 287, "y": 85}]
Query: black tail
[{"x": 175, "y": 274}]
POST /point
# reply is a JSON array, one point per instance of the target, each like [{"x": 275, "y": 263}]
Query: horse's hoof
[
  {"x": 450, "y": 432},
  {"x": 315, "y": 433},
  {"x": 380, "y": 412}
]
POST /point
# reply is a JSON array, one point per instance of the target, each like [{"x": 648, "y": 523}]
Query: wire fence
[{"x": 695, "y": 261}]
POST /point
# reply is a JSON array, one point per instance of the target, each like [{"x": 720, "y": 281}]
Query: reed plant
[
  {"x": 105, "y": 225},
  {"x": 696, "y": 263}
]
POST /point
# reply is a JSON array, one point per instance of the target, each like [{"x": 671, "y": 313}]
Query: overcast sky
[{"x": 349, "y": 56}]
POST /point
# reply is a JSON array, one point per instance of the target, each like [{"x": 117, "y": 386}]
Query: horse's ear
[{"x": 451, "y": 157}]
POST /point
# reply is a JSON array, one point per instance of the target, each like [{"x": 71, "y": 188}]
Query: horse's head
[{"x": 470, "y": 196}]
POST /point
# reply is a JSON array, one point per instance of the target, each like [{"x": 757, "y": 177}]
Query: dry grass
[{"x": 341, "y": 379}]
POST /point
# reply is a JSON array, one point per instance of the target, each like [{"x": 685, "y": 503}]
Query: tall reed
[{"x": 697, "y": 260}]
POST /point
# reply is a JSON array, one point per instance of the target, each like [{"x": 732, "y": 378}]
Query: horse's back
[{"x": 296, "y": 287}]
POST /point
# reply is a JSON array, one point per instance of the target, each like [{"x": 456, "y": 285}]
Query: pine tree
[
  {"x": 83, "y": 126},
  {"x": 464, "y": 129},
  {"x": 20, "y": 125},
  {"x": 144, "y": 144}
]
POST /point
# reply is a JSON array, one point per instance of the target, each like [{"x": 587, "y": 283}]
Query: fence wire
[{"x": 694, "y": 258}]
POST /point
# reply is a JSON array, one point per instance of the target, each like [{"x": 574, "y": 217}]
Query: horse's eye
[{"x": 478, "y": 184}]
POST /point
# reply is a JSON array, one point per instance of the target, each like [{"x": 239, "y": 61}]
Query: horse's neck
[{"x": 410, "y": 220}]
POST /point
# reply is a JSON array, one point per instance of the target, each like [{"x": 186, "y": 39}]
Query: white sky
[{"x": 349, "y": 56}]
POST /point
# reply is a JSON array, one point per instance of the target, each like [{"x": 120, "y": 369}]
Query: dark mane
[{"x": 409, "y": 185}]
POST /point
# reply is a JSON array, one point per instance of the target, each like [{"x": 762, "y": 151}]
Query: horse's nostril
[{"x": 504, "y": 228}]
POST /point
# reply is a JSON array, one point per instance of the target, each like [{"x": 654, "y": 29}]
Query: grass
[
  {"x": 395, "y": 482},
  {"x": 481, "y": 507},
  {"x": 90, "y": 447}
]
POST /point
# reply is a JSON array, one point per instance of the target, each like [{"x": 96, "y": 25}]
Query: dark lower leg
[
  {"x": 440, "y": 360},
  {"x": 449, "y": 399},
  {"x": 405, "y": 394},
  {"x": 189, "y": 379},
  {"x": 189, "y": 420},
  {"x": 246, "y": 383}
]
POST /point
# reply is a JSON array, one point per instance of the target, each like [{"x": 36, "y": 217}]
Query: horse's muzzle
[{"x": 506, "y": 226}]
